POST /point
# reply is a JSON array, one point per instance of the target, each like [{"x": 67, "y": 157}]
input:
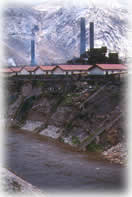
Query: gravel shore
[{"x": 117, "y": 154}]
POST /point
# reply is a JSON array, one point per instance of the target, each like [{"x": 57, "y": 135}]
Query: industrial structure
[
  {"x": 82, "y": 37},
  {"x": 34, "y": 30},
  {"x": 92, "y": 55},
  {"x": 64, "y": 70},
  {"x": 91, "y": 62},
  {"x": 91, "y": 35}
]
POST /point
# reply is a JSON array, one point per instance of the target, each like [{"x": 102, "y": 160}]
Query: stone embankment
[
  {"x": 73, "y": 117},
  {"x": 117, "y": 154},
  {"x": 12, "y": 184}
]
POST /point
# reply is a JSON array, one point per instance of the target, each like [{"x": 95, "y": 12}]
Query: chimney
[
  {"x": 34, "y": 30},
  {"x": 91, "y": 35},
  {"x": 32, "y": 52},
  {"x": 82, "y": 37}
]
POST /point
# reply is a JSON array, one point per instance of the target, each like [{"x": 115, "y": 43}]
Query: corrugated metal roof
[
  {"x": 16, "y": 69},
  {"x": 112, "y": 66},
  {"x": 75, "y": 67},
  {"x": 47, "y": 68},
  {"x": 30, "y": 68}
]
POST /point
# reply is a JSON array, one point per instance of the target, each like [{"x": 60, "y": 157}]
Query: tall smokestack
[
  {"x": 91, "y": 35},
  {"x": 82, "y": 37},
  {"x": 32, "y": 52},
  {"x": 34, "y": 30}
]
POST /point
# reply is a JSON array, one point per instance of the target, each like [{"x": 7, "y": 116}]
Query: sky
[
  {"x": 41, "y": 1},
  {"x": 101, "y": 2},
  {"x": 127, "y": 4}
]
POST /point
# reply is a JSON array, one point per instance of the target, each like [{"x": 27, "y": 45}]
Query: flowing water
[{"x": 50, "y": 165}]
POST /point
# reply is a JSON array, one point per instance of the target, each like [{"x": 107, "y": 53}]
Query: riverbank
[
  {"x": 76, "y": 117},
  {"x": 12, "y": 184},
  {"x": 117, "y": 154}
]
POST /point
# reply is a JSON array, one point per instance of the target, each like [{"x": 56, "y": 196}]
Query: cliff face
[
  {"x": 58, "y": 38},
  {"x": 74, "y": 116}
]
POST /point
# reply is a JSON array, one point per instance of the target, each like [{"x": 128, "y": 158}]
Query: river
[{"x": 52, "y": 166}]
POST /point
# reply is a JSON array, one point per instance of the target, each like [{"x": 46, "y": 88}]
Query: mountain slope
[{"x": 58, "y": 38}]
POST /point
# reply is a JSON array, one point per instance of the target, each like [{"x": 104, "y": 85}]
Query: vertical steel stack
[
  {"x": 91, "y": 35},
  {"x": 82, "y": 37},
  {"x": 34, "y": 30},
  {"x": 32, "y": 52}
]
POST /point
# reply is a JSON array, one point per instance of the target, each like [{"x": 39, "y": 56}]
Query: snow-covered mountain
[{"x": 58, "y": 38}]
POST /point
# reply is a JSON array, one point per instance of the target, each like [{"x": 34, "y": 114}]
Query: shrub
[
  {"x": 75, "y": 140},
  {"x": 69, "y": 125},
  {"x": 93, "y": 147},
  {"x": 67, "y": 100}
]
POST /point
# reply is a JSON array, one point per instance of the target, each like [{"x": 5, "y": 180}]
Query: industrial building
[{"x": 98, "y": 69}]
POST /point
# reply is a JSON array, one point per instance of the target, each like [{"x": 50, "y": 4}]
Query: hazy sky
[{"x": 33, "y": 2}]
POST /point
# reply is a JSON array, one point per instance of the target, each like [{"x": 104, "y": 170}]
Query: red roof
[
  {"x": 47, "y": 68},
  {"x": 75, "y": 67},
  {"x": 30, "y": 68},
  {"x": 6, "y": 70},
  {"x": 112, "y": 66},
  {"x": 16, "y": 69}
]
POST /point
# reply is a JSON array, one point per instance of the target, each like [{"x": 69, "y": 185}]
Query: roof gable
[
  {"x": 112, "y": 66},
  {"x": 75, "y": 67},
  {"x": 47, "y": 68},
  {"x": 30, "y": 68},
  {"x": 16, "y": 69}
]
